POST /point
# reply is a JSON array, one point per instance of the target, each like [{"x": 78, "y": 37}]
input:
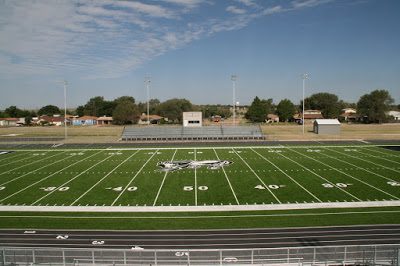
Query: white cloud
[
  {"x": 105, "y": 38},
  {"x": 235, "y": 10},
  {"x": 308, "y": 3},
  {"x": 249, "y": 3}
]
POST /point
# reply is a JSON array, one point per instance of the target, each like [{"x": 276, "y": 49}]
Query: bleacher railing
[{"x": 332, "y": 255}]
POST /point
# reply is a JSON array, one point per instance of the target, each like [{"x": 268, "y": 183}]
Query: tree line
[{"x": 372, "y": 107}]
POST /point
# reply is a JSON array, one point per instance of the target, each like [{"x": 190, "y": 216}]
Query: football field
[{"x": 259, "y": 175}]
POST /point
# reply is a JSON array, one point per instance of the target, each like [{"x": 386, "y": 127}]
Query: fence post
[
  {"x": 155, "y": 257},
  {"x": 63, "y": 257},
  {"x": 288, "y": 255},
  {"x": 33, "y": 257},
  {"x": 3, "y": 254},
  {"x": 252, "y": 256},
  {"x": 93, "y": 260},
  {"x": 314, "y": 256},
  {"x": 398, "y": 256},
  {"x": 345, "y": 255},
  {"x": 220, "y": 257},
  {"x": 124, "y": 257}
]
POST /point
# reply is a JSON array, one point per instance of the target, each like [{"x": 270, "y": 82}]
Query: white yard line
[
  {"x": 72, "y": 179},
  {"x": 251, "y": 169},
  {"x": 227, "y": 179},
  {"x": 46, "y": 158},
  {"x": 195, "y": 180},
  {"x": 133, "y": 178},
  {"x": 346, "y": 174},
  {"x": 13, "y": 157},
  {"x": 381, "y": 152},
  {"x": 46, "y": 165},
  {"x": 25, "y": 158},
  {"x": 321, "y": 177},
  {"x": 375, "y": 156},
  {"x": 163, "y": 181},
  {"x": 283, "y": 172},
  {"x": 21, "y": 190},
  {"x": 104, "y": 177},
  {"x": 359, "y": 167},
  {"x": 368, "y": 161},
  {"x": 223, "y": 208}
]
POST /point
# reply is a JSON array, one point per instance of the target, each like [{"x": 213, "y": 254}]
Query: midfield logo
[{"x": 178, "y": 165}]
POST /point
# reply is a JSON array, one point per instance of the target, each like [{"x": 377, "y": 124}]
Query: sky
[{"x": 190, "y": 49}]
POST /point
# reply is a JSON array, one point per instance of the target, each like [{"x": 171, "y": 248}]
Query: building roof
[
  {"x": 327, "y": 121},
  {"x": 105, "y": 118},
  {"x": 151, "y": 117},
  {"x": 52, "y": 119},
  {"x": 86, "y": 117},
  {"x": 9, "y": 119},
  {"x": 272, "y": 116}
]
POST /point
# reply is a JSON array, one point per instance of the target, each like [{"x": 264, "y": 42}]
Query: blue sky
[{"x": 190, "y": 48}]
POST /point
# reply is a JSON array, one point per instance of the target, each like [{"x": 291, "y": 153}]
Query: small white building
[
  {"x": 327, "y": 126},
  {"x": 192, "y": 119},
  {"x": 394, "y": 114}
]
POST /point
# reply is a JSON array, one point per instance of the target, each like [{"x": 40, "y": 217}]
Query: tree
[
  {"x": 126, "y": 112},
  {"x": 49, "y": 110},
  {"x": 327, "y": 103},
  {"x": 373, "y": 106},
  {"x": 14, "y": 111},
  {"x": 257, "y": 111},
  {"x": 173, "y": 109},
  {"x": 285, "y": 110}
]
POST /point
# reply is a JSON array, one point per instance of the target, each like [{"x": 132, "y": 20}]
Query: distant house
[
  {"x": 84, "y": 121},
  {"x": 216, "y": 118},
  {"x": 104, "y": 120},
  {"x": 8, "y": 122},
  {"x": 394, "y": 114},
  {"x": 51, "y": 120},
  {"x": 309, "y": 115},
  {"x": 154, "y": 119},
  {"x": 349, "y": 115},
  {"x": 272, "y": 118}
]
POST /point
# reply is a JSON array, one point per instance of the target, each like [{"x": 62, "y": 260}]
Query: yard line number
[
  {"x": 119, "y": 189},
  {"x": 48, "y": 189},
  {"x": 269, "y": 186},
  {"x": 340, "y": 185},
  {"x": 190, "y": 188}
]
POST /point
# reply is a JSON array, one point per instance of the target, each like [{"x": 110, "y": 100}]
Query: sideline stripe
[
  {"x": 98, "y": 182},
  {"x": 162, "y": 183},
  {"x": 199, "y": 216},
  {"x": 257, "y": 176},
  {"x": 283, "y": 172},
  {"x": 347, "y": 174},
  {"x": 133, "y": 178},
  {"x": 227, "y": 179}
]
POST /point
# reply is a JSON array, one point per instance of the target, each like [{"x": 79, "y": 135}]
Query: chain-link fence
[{"x": 332, "y": 255}]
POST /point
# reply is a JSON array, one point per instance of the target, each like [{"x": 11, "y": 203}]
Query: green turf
[{"x": 259, "y": 175}]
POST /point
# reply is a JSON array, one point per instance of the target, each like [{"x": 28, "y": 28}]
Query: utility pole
[
  {"x": 147, "y": 81},
  {"x": 234, "y": 78},
  {"x": 304, "y": 76}
]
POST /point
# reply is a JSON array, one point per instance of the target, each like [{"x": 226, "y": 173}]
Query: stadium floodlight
[
  {"x": 234, "y": 78},
  {"x": 65, "y": 83},
  {"x": 147, "y": 81},
  {"x": 304, "y": 77}
]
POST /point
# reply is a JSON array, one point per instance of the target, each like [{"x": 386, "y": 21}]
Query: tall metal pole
[
  {"x": 65, "y": 109},
  {"x": 305, "y": 76},
  {"x": 147, "y": 80},
  {"x": 233, "y": 78}
]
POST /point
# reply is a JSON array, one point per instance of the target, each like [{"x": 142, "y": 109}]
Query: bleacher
[{"x": 179, "y": 133}]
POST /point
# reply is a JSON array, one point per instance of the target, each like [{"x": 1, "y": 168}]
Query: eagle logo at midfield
[{"x": 178, "y": 165}]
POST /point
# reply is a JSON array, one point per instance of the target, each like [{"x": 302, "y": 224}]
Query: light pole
[
  {"x": 147, "y": 81},
  {"x": 65, "y": 83},
  {"x": 304, "y": 76},
  {"x": 234, "y": 78}
]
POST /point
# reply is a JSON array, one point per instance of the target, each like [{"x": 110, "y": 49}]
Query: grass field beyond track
[{"x": 258, "y": 175}]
